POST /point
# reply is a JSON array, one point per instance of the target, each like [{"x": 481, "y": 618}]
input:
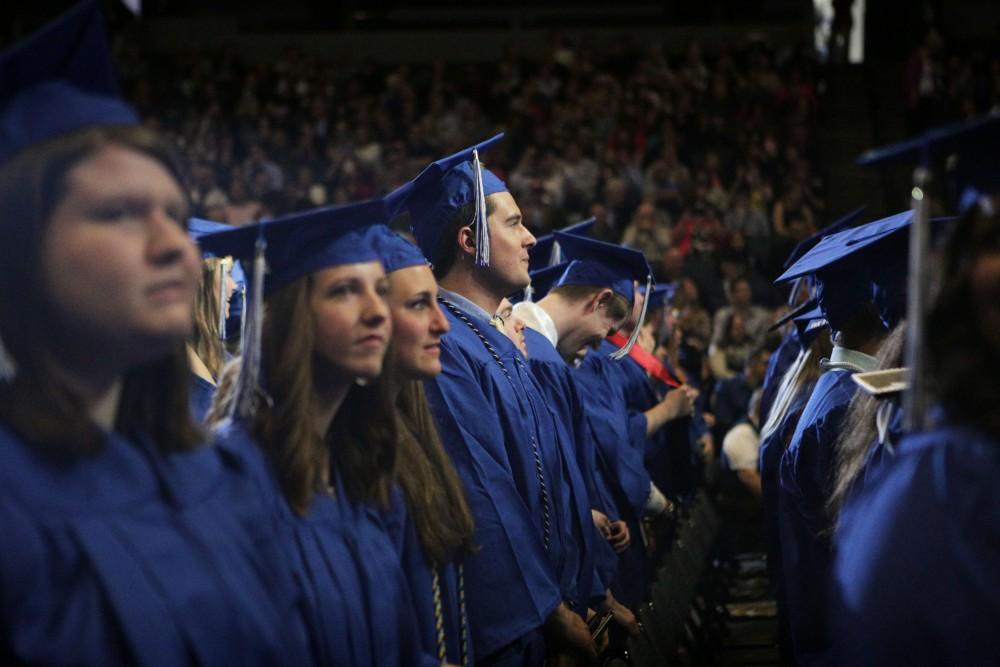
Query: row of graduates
[
  {"x": 882, "y": 515},
  {"x": 387, "y": 479}
]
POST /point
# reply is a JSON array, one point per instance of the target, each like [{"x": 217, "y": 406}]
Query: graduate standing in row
[
  {"x": 528, "y": 584},
  {"x": 125, "y": 540},
  {"x": 306, "y": 411},
  {"x": 916, "y": 578},
  {"x": 429, "y": 519}
]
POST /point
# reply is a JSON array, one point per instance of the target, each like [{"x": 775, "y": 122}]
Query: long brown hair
[
  {"x": 206, "y": 339},
  {"x": 35, "y": 403},
  {"x": 361, "y": 442},
  {"x": 859, "y": 430},
  {"x": 962, "y": 363},
  {"x": 433, "y": 491}
]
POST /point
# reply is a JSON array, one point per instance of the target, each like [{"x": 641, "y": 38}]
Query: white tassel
[
  {"x": 482, "y": 226},
  {"x": 529, "y": 294},
  {"x": 618, "y": 355},
  {"x": 248, "y": 388},
  {"x": 223, "y": 300},
  {"x": 8, "y": 367},
  {"x": 555, "y": 256}
]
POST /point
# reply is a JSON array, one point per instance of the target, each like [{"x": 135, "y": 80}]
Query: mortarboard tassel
[
  {"x": 618, "y": 355},
  {"x": 8, "y": 367},
  {"x": 482, "y": 226},
  {"x": 529, "y": 294},
  {"x": 248, "y": 388},
  {"x": 555, "y": 255},
  {"x": 223, "y": 300}
]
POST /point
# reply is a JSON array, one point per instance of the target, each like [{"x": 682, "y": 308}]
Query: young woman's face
[
  {"x": 116, "y": 260},
  {"x": 351, "y": 319},
  {"x": 417, "y": 323}
]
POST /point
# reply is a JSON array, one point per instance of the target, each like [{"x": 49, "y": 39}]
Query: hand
[
  {"x": 602, "y": 643},
  {"x": 709, "y": 419},
  {"x": 602, "y": 523},
  {"x": 620, "y": 537},
  {"x": 680, "y": 402},
  {"x": 623, "y": 615},
  {"x": 566, "y": 628},
  {"x": 707, "y": 446}
]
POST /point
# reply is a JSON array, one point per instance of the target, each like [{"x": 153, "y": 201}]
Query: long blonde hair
[
  {"x": 206, "y": 341},
  {"x": 434, "y": 493}
]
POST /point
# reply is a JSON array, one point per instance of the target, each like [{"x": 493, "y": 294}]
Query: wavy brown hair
[
  {"x": 962, "y": 362},
  {"x": 36, "y": 405},
  {"x": 859, "y": 430},
  {"x": 361, "y": 441},
  {"x": 434, "y": 494},
  {"x": 206, "y": 340}
]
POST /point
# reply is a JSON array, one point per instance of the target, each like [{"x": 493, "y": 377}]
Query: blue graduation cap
[
  {"x": 837, "y": 225},
  {"x": 59, "y": 80},
  {"x": 974, "y": 145},
  {"x": 547, "y": 252},
  {"x": 198, "y": 227},
  {"x": 598, "y": 264},
  {"x": 302, "y": 243},
  {"x": 837, "y": 248},
  {"x": 395, "y": 251},
  {"x": 440, "y": 190},
  {"x": 970, "y": 149}
]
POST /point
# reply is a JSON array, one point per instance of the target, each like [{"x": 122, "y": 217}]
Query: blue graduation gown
[
  {"x": 357, "y": 604},
  {"x": 780, "y": 362},
  {"x": 132, "y": 556},
  {"x": 420, "y": 577},
  {"x": 200, "y": 395},
  {"x": 557, "y": 381},
  {"x": 668, "y": 452},
  {"x": 620, "y": 458},
  {"x": 491, "y": 433},
  {"x": 917, "y": 574},
  {"x": 805, "y": 483}
]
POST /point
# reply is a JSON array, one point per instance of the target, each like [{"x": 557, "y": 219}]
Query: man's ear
[
  {"x": 599, "y": 299},
  {"x": 466, "y": 241}
]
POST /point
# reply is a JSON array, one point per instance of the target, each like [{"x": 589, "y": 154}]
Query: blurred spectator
[
  {"x": 755, "y": 320},
  {"x": 732, "y": 395},
  {"x": 728, "y": 354},
  {"x": 649, "y": 232},
  {"x": 741, "y": 447}
]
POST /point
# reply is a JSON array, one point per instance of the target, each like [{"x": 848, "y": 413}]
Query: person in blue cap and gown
[
  {"x": 591, "y": 298},
  {"x": 206, "y": 349},
  {"x": 125, "y": 541},
  {"x": 304, "y": 409},
  {"x": 793, "y": 393},
  {"x": 528, "y": 583},
  {"x": 429, "y": 519},
  {"x": 620, "y": 432},
  {"x": 841, "y": 265},
  {"x": 916, "y": 578},
  {"x": 801, "y": 291}
]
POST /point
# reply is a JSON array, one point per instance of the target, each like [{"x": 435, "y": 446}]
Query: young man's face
[{"x": 509, "y": 243}]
